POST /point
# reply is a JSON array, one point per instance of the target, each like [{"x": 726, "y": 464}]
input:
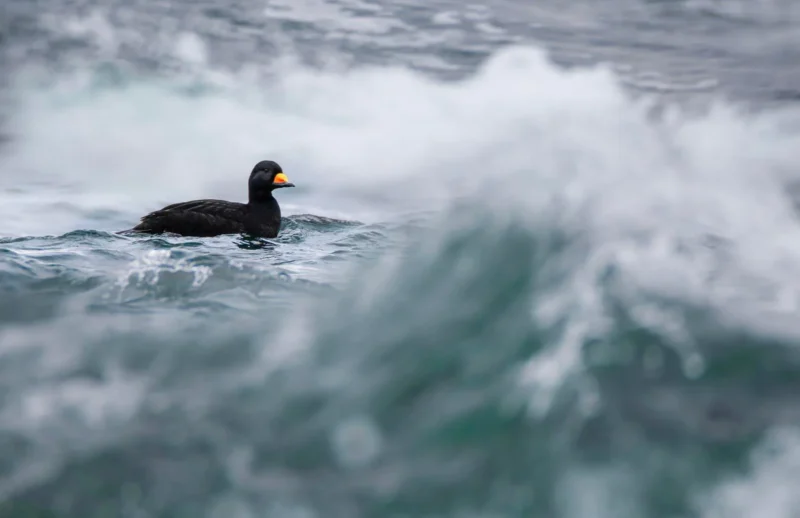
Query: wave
[
  {"x": 44, "y": 277},
  {"x": 353, "y": 144},
  {"x": 474, "y": 363},
  {"x": 585, "y": 297}
]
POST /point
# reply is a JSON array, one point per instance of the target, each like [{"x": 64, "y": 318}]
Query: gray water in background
[
  {"x": 503, "y": 287},
  {"x": 745, "y": 49}
]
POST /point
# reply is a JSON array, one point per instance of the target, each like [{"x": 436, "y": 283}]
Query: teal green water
[{"x": 231, "y": 377}]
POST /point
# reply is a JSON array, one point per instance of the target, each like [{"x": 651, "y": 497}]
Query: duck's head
[{"x": 265, "y": 177}]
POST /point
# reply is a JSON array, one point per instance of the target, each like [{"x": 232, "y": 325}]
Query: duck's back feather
[{"x": 197, "y": 218}]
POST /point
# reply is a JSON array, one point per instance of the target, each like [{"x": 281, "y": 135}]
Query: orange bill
[{"x": 281, "y": 180}]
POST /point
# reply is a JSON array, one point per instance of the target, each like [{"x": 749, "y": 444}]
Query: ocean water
[{"x": 541, "y": 260}]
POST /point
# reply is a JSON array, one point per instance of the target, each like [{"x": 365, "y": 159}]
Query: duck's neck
[
  {"x": 265, "y": 207},
  {"x": 261, "y": 198}
]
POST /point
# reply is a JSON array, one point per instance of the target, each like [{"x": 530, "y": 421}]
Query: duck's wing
[
  {"x": 196, "y": 218},
  {"x": 205, "y": 206}
]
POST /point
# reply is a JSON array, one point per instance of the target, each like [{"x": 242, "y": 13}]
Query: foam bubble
[
  {"x": 356, "y": 442},
  {"x": 191, "y": 48},
  {"x": 95, "y": 26}
]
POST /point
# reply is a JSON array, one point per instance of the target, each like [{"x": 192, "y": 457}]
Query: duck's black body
[
  {"x": 206, "y": 218},
  {"x": 259, "y": 217}
]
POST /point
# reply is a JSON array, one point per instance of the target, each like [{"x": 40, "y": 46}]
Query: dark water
[{"x": 542, "y": 260}]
